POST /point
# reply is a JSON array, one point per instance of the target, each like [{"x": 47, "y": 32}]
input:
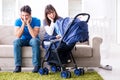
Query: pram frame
[{"x": 60, "y": 41}]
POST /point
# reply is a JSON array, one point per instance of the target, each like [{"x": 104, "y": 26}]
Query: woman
[
  {"x": 52, "y": 32},
  {"x": 51, "y": 17}
]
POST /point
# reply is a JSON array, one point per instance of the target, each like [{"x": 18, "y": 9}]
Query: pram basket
[{"x": 59, "y": 56}]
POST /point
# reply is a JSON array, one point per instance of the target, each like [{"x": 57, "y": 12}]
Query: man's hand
[
  {"x": 23, "y": 22},
  {"x": 28, "y": 21}
]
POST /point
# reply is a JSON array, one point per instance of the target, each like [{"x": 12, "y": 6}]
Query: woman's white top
[{"x": 50, "y": 29}]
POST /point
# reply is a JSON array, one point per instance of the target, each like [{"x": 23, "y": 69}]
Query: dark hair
[
  {"x": 48, "y": 9},
  {"x": 26, "y": 8}
]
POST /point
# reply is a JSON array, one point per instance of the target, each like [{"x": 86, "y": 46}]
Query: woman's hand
[
  {"x": 58, "y": 37},
  {"x": 51, "y": 19}
]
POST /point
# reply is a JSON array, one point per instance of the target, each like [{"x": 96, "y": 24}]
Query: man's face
[{"x": 25, "y": 16}]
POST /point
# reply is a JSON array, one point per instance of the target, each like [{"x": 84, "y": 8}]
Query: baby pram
[{"x": 59, "y": 52}]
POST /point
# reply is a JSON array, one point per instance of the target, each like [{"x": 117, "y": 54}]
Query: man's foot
[
  {"x": 17, "y": 69},
  {"x": 36, "y": 69}
]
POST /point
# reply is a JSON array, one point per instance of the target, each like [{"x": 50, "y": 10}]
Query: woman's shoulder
[{"x": 59, "y": 19}]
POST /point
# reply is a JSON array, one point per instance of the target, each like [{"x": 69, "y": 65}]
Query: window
[
  {"x": 118, "y": 23},
  {"x": 7, "y": 9}
]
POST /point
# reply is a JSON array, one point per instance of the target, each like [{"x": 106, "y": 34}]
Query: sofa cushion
[
  {"x": 82, "y": 51},
  {"x": 6, "y": 35},
  {"x": 7, "y": 51}
]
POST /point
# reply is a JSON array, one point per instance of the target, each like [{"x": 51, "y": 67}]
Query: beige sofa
[{"x": 85, "y": 55}]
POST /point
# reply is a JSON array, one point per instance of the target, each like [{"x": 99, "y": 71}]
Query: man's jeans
[{"x": 34, "y": 43}]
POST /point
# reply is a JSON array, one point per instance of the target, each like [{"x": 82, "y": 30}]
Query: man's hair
[{"x": 26, "y": 8}]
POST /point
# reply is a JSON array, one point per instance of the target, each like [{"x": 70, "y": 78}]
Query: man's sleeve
[
  {"x": 17, "y": 23},
  {"x": 38, "y": 23}
]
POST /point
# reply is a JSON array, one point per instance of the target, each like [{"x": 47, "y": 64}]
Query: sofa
[{"x": 86, "y": 54}]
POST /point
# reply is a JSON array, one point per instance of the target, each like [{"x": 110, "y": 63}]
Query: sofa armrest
[{"x": 96, "y": 41}]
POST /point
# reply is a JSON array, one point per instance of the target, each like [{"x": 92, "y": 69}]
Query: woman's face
[{"x": 51, "y": 15}]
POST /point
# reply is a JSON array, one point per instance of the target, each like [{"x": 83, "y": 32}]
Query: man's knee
[
  {"x": 35, "y": 41},
  {"x": 17, "y": 41}
]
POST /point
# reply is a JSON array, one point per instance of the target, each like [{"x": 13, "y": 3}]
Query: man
[{"x": 26, "y": 32}]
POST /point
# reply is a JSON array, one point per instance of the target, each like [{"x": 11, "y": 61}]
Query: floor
[
  {"x": 111, "y": 75},
  {"x": 111, "y": 58}
]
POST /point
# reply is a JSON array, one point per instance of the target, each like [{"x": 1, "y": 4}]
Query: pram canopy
[{"x": 72, "y": 31}]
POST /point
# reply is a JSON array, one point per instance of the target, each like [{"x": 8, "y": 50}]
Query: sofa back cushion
[{"x": 6, "y": 35}]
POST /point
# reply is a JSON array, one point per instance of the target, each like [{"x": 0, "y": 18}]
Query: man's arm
[
  {"x": 19, "y": 31},
  {"x": 33, "y": 31}
]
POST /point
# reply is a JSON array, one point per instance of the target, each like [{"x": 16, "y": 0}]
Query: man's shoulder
[
  {"x": 36, "y": 21},
  {"x": 18, "y": 19},
  {"x": 18, "y": 22},
  {"x": 35, "y": 18}
]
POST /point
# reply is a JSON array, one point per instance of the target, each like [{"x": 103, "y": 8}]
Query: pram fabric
[{"x": 78, "y": 30}]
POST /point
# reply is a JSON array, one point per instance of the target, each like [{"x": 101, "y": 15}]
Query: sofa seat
[
  {"x": 4, "y": 49},
  {"x": 8, "y": 59},
  {"x": 78, "y": 51}
]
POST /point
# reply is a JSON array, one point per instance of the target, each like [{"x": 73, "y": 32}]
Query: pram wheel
[
  {"x": 79, "y": 72},
  {"x": 43, "y": 71},
  {"x": 82, "y": 71},
  {"x": 55, "y": 68},
  {"x": 58, "y": 68},
  {"x": 65, "y": 74}
]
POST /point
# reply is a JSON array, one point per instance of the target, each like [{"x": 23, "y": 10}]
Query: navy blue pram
[{"x": 59, "y": 52}]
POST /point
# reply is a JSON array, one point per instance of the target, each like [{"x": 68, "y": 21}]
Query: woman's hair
[
  {"x": 26, "y": 8},
  {"x": 48, "y": 9}
]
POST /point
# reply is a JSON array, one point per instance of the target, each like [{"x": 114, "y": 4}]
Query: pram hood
[{"x": 72, "y": 31}]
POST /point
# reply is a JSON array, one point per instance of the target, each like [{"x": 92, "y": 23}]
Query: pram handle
[{"x": 83, "y": 14}]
